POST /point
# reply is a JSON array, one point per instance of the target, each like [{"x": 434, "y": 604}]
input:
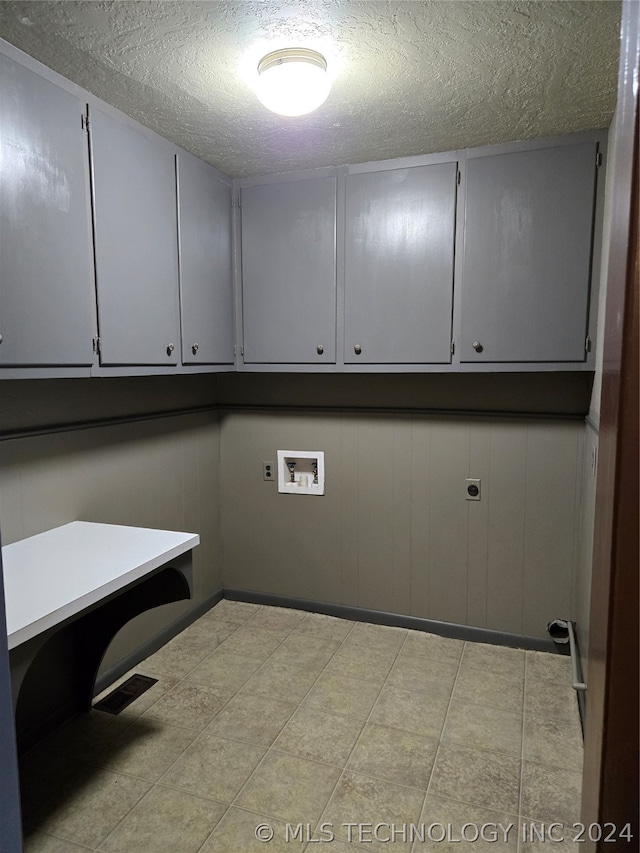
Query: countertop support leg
[{"x": 59, "y": 680}]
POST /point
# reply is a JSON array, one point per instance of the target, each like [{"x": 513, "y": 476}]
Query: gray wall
[
  {"x": 582, "y": 591},
  {"x": 539, "y": 393},
  {"x": 160, "y": 473},
  {"x": 394, "y": 531},
  {"x": 594, "y": 409},
  {"x": 32, "y": 404}
]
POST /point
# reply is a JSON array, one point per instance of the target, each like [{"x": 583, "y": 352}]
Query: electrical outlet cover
[
  {"x": 269, "y": 471},
  {"x": 472, "y": 487}
]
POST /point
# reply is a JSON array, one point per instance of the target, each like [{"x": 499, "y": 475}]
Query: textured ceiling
[{"x": 409, "y": 77}]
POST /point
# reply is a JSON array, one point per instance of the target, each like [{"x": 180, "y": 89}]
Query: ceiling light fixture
[{"x": 293, "y": 81}]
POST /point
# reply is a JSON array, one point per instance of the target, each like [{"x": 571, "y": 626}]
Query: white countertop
[{"x": 59, "y": 573}]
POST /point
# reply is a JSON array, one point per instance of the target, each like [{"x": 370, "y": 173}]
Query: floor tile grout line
[
  {"x": 152, "y": 784},
  {"x": 230, "y": 699},
  {"x": 147, "y": 715},
  {"x": 270, "y": 748},
  {"x": 47, "y": 832},
  {"x": 233, "y": 697},
  {"x": 357, "y": 740},
  {"x": 158, "y": 781},
  {"x": 139, "y": 800},
  {"x": 166, "y": 770},
  {"x": 522, "y": 749},
  {"x": 244, "y": 809},
  {"x": 113, "y": 828},
  {"x": 559, "y": 766},
  {"x": 373, "y": 707},
  {"x": 302, "y": 668},
  {"x": 186, "y": 674},
  {"x": 311, "y": 686},
  {"x": 237, "y": 691},
  {"x": 473, "y": 805},
  {"x": 444, "y": 723},
  {"x": 228, "y": 807},
  {"x": 299, "y": 704},
  {"x": 480, "y": 705}
]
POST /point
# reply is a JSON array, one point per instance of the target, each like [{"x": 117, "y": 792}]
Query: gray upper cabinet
[
  {"x": 107, "y": 231},
  {"x": 47, "y": 309},
  {"x": 206, "y": 289},
  {"x": 289, "y": 271},
  {"x": 527, "y": 255},
  {"x": 399, "y": 256},
  {"x": 136, "y": 244}
]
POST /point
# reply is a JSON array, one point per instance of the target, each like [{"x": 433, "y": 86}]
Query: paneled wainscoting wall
[
  {"x": 160, "y": 473},
  {"x": 394, "y": 531}
]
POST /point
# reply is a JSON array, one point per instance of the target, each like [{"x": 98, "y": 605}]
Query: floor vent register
[{"x": 125, "y": 694}]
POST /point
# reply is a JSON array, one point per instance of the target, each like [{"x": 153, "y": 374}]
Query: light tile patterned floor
[{"x": 265, "y": 715}]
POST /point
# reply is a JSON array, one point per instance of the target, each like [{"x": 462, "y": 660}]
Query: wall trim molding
[
  {"x": 139, "y": 654},
  {"x": 398, "y": 620},
  {"x": 399, "y": 410},
  {"x": 98, "y": 423}
]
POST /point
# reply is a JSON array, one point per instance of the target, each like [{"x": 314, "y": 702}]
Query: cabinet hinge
[
  {"x": 453, "y": 347},
  {"x": 242, "y": 350},
  {"x": 235, "y": 350},
  {"x": 458, "y": 177},
  {"x": 587, "y": 344},
  {"x": 598, "y": 159},
  {"x": 96, "y": 345},
  {"x": 84, "y": 121}
]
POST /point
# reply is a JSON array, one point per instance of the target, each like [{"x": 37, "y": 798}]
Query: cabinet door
[
  {"x": 399, "y": 254},
  {"x": 136, "y": 244},
  {"x": 527, "y": 255},
  {"x": 47, "y": 308},
  {"x": 206, "y": 292},
  {"x": 289, "y": 271}
]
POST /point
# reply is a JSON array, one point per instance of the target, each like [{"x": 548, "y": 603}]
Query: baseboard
[
  {"x": 398, "y": 620},
  {"x": 141, "y": 652},
  {"x": 343, "y": 611}
]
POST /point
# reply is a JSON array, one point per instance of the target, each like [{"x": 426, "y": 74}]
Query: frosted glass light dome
[{"x": 293, "y": 81}]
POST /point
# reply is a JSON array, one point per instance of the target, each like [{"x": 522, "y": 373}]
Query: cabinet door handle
[
  {"x": 477, "y": 346},
  {"x": 170, "y": 349},
  {"x": 319, "y": 349},
  {"x": 195, "y": 348},
  {"x": 357, "y": 349}
]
